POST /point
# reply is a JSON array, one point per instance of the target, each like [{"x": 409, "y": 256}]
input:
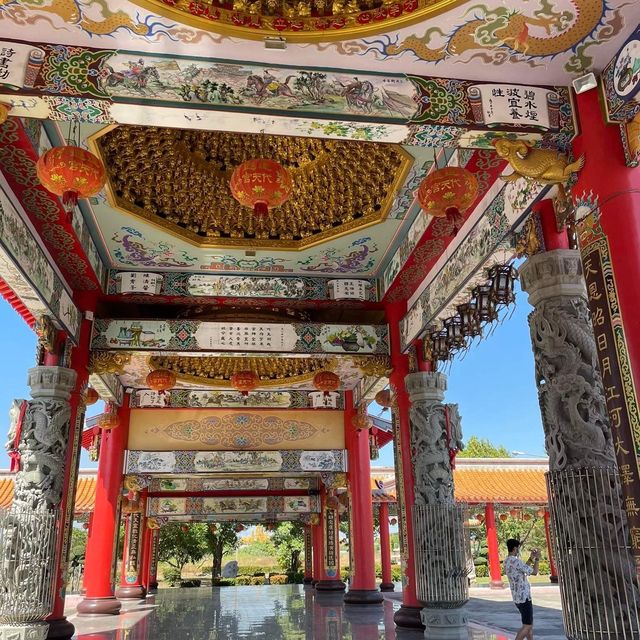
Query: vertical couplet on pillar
[
  {"x": 385, "y": 547},
  {"x": 492, "y": 546},
  {"x": 330, "y": 564},
  {"x": 308, "y": 555},
  {"x": 131, "y": 579},
  {"x": 607, "y": 200}
]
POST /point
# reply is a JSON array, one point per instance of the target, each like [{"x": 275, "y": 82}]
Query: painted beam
[
  {"x": 100, "y": 87},
  {"x": 223, "y": 337},
  {"x": 224, "y": 462}
]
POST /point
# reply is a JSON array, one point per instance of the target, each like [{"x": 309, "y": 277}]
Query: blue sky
[{"x": 493, "y": 383}]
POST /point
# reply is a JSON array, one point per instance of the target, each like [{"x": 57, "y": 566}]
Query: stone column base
[
  {"x": 25, "y": 631},
  {"x": 133, "y": 592},
  {"x": 408, "y": 617},
  {"x": 330, "y": 585},
  {"x": 109, "y": 606},
  {"x": 387, "y": 586},
  {"x": 363, "y": 596},
  {"x": 553, "y": 579},
  {"x": 445, "y": 624},
  {"x": 498, "y": 584},
  {"x": 60, "y": 629}
]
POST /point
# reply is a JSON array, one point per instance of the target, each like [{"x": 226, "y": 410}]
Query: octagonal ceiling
[{"x": 179, "y": 180}]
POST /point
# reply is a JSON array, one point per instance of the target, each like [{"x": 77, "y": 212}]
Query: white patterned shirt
[{"x": 518, "y": 572}]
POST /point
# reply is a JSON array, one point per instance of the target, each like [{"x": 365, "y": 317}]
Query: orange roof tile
[
  {"x": 506, "y": 486},
  {"x": 6, "y": 492}
]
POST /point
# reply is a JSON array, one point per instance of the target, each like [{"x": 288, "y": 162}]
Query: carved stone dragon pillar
[
  {"x": 438, "y": 523},
  {"x": 27, "y": 528},
  {"x": 591, "y": 541}
]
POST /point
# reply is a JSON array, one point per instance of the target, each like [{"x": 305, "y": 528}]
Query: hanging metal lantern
[
  {"x": 245, "y": 381},
  {"x": 384, "y": 399},
  {"x": 326, "y": 381},
  {"x": 502, "y": 278},
  {"x": 440, "y": 347},
  {"x": 503, "y": 517},
  {"x": 453, "y": 329},
  {"x": 393, "y": 522},
  {"x": 108, "y": 420},
  {"x": 161, "y": 380},
  {"x": 332, "y": 502},
  {"x": 71, "y": 172},
  {"x": 91, "y": 396},
  {"x": 361, "y": 421},
  {"x": 526, "y": 517},
  {"x": 513, "y": 513},
  {"x": 469, "y": 321},
  {"x": 485, "y": 307},
  {"x": 480, "y": 518},
  {"x": 261, "y": 185}
]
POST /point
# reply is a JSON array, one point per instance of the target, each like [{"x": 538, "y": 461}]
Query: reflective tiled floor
[{"x": 289, "y": 612}]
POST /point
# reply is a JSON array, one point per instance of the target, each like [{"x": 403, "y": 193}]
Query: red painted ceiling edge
[
  {"x": 8, "y": 294},
  {"x": 414, "y": 273}
]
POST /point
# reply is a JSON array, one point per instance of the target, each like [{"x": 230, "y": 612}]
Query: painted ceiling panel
[{"x": 532, "y": 41}]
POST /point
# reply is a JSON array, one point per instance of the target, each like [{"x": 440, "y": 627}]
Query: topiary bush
[
  {"x": 222, "y": 582},
  {"x": 256, "y": 580},
  {"x": 190, "y": 583},
  {"x": 278, "y": 578},
  {"x": 242, "y": 581},
  {"x": 482, "y": 571},
  {"x": 396, "y": 573},
  {"x": 171, "y": 576}
]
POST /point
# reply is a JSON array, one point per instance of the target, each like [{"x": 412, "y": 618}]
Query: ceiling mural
[
  {"x": 185, "y": 186},
  {"x": 548, "y": 43}
]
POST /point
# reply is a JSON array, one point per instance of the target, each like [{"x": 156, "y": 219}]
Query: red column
[
  {"x": 362, "y": 588},
  {"x": 317, "y": 544},
  {"x": 492, "y": 544},
  {"x": 547, "y": 532},
  {"x": 147, "y": 548},
  {"x": 409, "y": 613},
  {"x": 103, "y": 535},
  {"x": 59, "y": 626},
  {"x": 553, "y": 239},
  {"x": 385, "y": 547},
  {"x": 329, "y": 579},
  {"x": 308, "y": 555}
]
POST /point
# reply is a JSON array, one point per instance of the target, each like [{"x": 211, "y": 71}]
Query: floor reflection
[{"x": 289, "y": 612}]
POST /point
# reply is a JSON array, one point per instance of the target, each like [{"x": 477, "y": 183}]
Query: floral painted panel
[{"x": 211, "y": 462}]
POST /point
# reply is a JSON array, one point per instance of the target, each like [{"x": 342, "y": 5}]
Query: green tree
[
  {"x": 483, "y": 448},
  {"x": 177, "y": 547},
  {"x": 288, "y": 539},
  {"x": 78, "y": 543},
  {"x": 223, "y": 540}
]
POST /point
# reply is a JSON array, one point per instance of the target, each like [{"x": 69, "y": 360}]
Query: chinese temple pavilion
[{"x": 239, "y": 222}]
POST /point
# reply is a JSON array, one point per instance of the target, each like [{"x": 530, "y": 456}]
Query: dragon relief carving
[
  {"x": 431, "y": 441},
  {"x": 43, "y": 446},
  {"x": 572, "y": 400}
]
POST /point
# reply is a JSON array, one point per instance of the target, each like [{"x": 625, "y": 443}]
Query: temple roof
[{"x": 477, "y": 481}]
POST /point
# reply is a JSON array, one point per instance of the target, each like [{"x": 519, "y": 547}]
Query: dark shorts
[{"x": 526, "y": 611}]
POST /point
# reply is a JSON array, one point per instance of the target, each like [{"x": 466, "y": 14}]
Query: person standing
[{"x": 518, "y": 573}]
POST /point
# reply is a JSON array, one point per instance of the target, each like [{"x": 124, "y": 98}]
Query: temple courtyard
[{"x": 291, "y": 612}]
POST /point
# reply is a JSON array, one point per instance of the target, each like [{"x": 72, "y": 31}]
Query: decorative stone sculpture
[
  {"x": 597, "y": 575},
  {"x": 438, "y": 523},
  {"x": 27, "y": 529}
]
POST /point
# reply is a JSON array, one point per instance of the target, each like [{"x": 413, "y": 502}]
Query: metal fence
[
  {"x": 598, "y": 582},
  {"x": 441, "y": 544},
  {"x": 27, "y": 541}
]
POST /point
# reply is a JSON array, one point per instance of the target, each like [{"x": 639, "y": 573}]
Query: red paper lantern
[
  {"x": 71, "y": 172},
  {"x": 161, "y": 380},
  {"x": 244, "y": 381},
  {"x": 383, "y": 398},
  {"x": 445, "y": 193},
  {"x": 91, "y": 396},
  {"x": 108, "y": 421},
  {"x": 513, "y": 512},
  {"x": 526, "y": 517},
  {"x": 261, "y": 184},
  {"x": 326, "y": 381}
]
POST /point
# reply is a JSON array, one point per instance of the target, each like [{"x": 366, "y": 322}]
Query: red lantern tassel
[
  {"x": 260, "y": 208},
  {"x": 69, "y": 202}
]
